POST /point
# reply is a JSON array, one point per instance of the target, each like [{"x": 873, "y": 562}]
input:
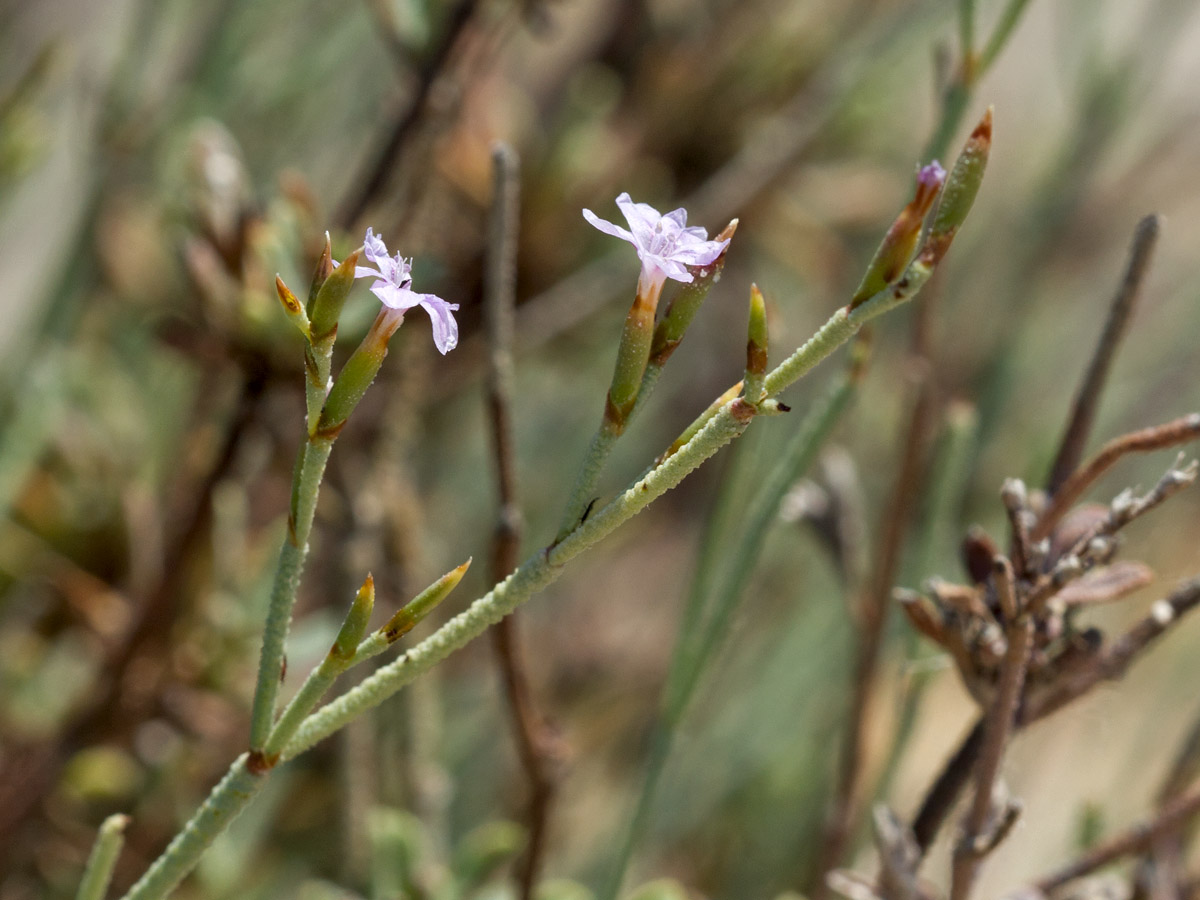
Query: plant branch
[
  {"x": 1169, "y": 434},
  {"x": 978, "y": 834},
  {"x": 532, "y": 734},
  {"x": 1174, "y": 816},
  {"x": 1083, "y": 412}
]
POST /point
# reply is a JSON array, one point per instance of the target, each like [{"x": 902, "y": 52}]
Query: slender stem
[
  {"x": 545, "y": 567},
  {"x": 240, "y": 784},
  {"x": 1158, "y": 437},
  {"x": 1120, "y": 311},
  {"x": 1111, "y": 663},
  {"x": 944, "y": 791},
  {"x": 318, "y": 682},
  {"x": 529, "y": 730},
  {"x": 305, "y": 488},
  {"x": 227, "y": 800},
  {"x": 103, "y": 858},
  {"x": 966, "y": 27},
  {"x": 1174, "y": 816},
  {"x": 1000, "y": 35},
  {"x": 975, "y": 843}
]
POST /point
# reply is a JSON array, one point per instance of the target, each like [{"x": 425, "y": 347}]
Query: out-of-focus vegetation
[{"x": 161, "y": 161}]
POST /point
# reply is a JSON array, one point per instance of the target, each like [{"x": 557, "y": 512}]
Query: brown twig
[
  {"x": 533, "y": 735},
  {"x": 376, "y": 176},
  {"x": 944, "y": 791},
  {"x": 1140, "y": 837},
  {"x": 1083, "y": 413},
  {"x": 1158, "y": 437},
  {"x": 1112, "y": 662},
  {"x": 1109, "y": 664},
  {"x": 977, "y": 838}
]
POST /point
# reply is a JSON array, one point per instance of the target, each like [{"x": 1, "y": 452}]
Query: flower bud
[
  {"x": 355, "y": 624},
  {"x": 686, "y": 302},
  {"x": 408, "y": 617},
  {"x": 961, "y": 188},
  {"x": 331, "y": 297},
  {"x": 756, "y": 346},
  {"x": 896, "y": 250},
  {"x": 322, "y": 271},
  {"x": 633, "y": 355},
  {"x": 292, "y": 307},
  {"x": 358, "y": 373}
]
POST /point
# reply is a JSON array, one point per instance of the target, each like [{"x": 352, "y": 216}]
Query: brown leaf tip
[{"x": 983, "y": 131}]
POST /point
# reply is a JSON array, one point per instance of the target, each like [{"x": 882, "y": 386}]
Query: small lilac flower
[
  {"x": 665, "y": 245},
  {"x": 393, "y": 286}
]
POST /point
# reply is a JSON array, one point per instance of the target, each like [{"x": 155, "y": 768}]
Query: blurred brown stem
[
  {"x": 534, "y": 737},
  {"x": 1140, "y": 837},
  {"x": 1109, "y": 663},
  {"x": 404, "y": 125},
  {"x": 977, "y": 838},
  {"x": 1158, "y": 437},
  {"x": 1083, "y": 412}
]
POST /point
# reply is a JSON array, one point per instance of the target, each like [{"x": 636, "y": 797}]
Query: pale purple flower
[
  {"x": 665, "y": 245},
  {"x": 393, "y": 286}
]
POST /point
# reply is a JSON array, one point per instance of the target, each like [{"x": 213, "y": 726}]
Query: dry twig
[
  {"x": 532, "y": 734},
  {"x": 1169, "y": 434},
  {"x": 1145, "y": 237}
]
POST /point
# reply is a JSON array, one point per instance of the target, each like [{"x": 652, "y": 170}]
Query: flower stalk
[
  {"x": 756, "y": 348},
  {"x": 103, "y": 859}
]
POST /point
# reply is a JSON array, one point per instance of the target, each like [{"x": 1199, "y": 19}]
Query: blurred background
[{"x": 161, "y": 160}]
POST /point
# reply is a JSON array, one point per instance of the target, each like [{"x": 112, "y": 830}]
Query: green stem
[
  {"x": 605, "y": 438},
  {"x": 227, "y": 800},
  {"x": 1004, "y": 28},
  {"x": 240, "y": 784},
  {"x": 318, "y": 682},
  {"x": 661, "y": 740},
  {"x": 305, "y": 488},
  {"x": 103, "y": 859},
  {"x": 544, "y": 568}
]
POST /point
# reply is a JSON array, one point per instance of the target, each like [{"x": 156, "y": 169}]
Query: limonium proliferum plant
[{"x": 669, "y": 250}]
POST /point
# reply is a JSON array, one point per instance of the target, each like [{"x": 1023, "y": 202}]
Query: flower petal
[
  {"x": 374, "y": 248},
  {"x": 642, "y": 217},
  {"x": 679, "y": 217},
  {"x": 608, "y": 227},
  {"x": 700, "y": 253},
  {"x": 675, "y": 269},
  {"x": 441, "y": 316},
  {"x": 394, "y": 296}
]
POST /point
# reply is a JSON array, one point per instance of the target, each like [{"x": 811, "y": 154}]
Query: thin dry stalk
[
  {"x": 404, "y": 126},
  {"x": 1108, "y": 664},
  {"x": 1113, "y": 662},
  {"x": 533, "y": 736},
  {"x": 1174, "y": 816},
  {"x": 1083, "y": 413},
  {"x": 1158, "y": 437},
  {"x": 977, "y": 838}
]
